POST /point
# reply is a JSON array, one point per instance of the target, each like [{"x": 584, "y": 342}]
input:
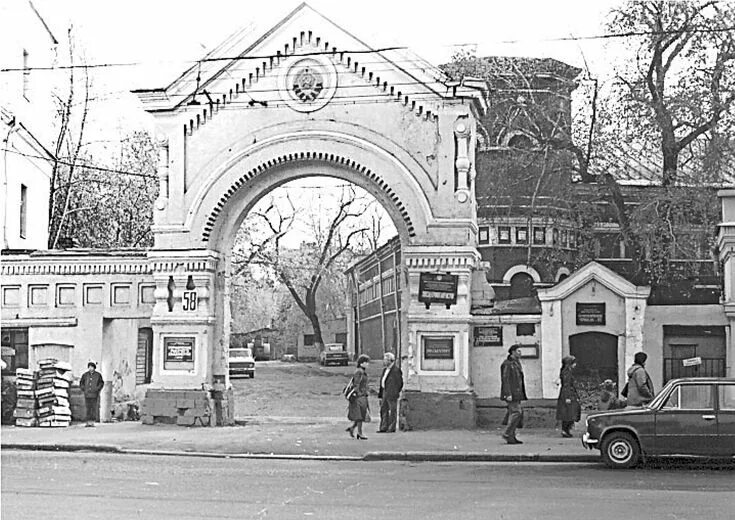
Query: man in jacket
[
  {"x": 640, "y": 387},
  {"x": 391, "y": 383},
  {"x": 512, "y": 391},
  {"x": 91, "y": 384}
]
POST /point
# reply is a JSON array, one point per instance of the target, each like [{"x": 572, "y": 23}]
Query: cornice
[
  {"x": 40, "y": 322},
  {"x": 428, "y": 257},
  {"x": 81, "y": 266}
]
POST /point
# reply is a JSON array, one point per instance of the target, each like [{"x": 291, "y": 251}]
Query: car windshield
[
  {"x": 334, "y": 348},
  {"x": 240, "y": 352},
  {"x": 658, "y": 400}
]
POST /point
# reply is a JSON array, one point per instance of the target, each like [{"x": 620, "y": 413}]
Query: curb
[
  {"x": 433, "y": 456},
  {"x": 372, "y": 456},
  {"x": 98, "y": 448}
]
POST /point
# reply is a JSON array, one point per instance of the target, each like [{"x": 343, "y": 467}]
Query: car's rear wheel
[{"x": 620, "y": 450}]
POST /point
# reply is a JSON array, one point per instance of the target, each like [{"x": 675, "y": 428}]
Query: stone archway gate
[{"x": 307, "y": 98}]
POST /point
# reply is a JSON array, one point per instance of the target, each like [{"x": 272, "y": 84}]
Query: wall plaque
[
  {"x": 438, "y": 288},
  {"x": 491, "y": 336},
  {"x": 438, "y": 348},
  {"x": 178, "y": 352},
  {"x": 590, "y": 313}
]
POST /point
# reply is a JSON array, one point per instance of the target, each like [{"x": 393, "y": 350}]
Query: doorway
[
  {"x": 691, "y": 351},
  {"x": 597, "y": 360}
]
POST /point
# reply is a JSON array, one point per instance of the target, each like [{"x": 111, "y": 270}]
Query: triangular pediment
[
  {"x": 256, "y": 67},
  {"x": 599, "y": 273}
]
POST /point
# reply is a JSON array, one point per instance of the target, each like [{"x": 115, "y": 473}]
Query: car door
[
  {"x": 726, "y": 419},
  {"x": 686, "y": 424}
]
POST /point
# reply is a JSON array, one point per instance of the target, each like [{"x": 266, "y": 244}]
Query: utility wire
[
  {"x": 626, "y": 34},
  {"x": 82, "y": 165},
  {"x": 148, "y": 176}
]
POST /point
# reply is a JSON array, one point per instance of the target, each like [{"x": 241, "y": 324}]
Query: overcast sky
[
  {"x": 164, "y": 37},
  {"x": 180, "y": 30}
]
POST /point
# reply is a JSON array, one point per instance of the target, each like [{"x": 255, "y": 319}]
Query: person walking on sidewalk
[
  {"x": 640, "y": 387},
  {"x": 358, "y": 410},
  {"x": 91, "y": 384},
  {"x": 513, "y": 391},
  {"x": 568, "y": 409},
  {"x": 391, "y": 383}
]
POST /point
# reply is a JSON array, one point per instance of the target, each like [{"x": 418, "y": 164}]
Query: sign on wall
[
  {"x": 590, "y": 313},
  {"x": 438, "y": 348},
  {"x": 178, "y": 353},
  {"x": 438, "y": 288},
  {"x": 491, "y": 336},
  {"x": 691, "y": 362},
  {"x": 189, "y": 301},
  {"x": 529, "y": 351}
]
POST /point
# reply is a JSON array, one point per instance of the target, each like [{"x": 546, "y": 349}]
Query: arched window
[
  {"x": 520, "y": 141},
  {"x": 521, "y": 286}
]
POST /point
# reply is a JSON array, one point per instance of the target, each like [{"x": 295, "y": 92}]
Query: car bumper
[
  {"x": 335, "y": 361},
  {"x": 242, "y": 371},
  {"x": 588, "y": 442}
]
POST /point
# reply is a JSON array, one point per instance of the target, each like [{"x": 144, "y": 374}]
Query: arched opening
[
  {"x": 597, "y": 360},
  {"x": 521, "y": 286},
  {"x": 294, "y": 370}
]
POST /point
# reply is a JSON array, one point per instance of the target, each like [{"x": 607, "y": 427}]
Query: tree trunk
[
  {"x": 317, "y": 328},
  {"x": 671, "y": 161}
]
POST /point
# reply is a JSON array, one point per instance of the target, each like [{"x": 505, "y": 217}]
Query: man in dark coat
[
  {"x": 91, "y": 384},
  {"x": 513, "y": 391},
  {"x": 391, "y": 383}
]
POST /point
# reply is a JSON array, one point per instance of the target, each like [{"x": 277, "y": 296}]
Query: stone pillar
[
  {"x": 635, "y": 312},
  {"x": 438, "y": 390},
  {"x": 183, "y": 322},
  {"x": 726, "y": 247},
  {"x": 551, "y": 345}
]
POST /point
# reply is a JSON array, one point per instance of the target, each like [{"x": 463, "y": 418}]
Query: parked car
[
  {"x": 242, "y": 362},
  {"x": 689, "y": 417},
  {"x": 333, "y": 354}
]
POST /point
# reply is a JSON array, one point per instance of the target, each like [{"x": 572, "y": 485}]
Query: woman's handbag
[
  {"x": 367, "y": 416},
  {"x": 350, "y": 390}
]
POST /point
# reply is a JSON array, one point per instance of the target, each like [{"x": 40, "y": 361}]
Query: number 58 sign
[{"x": 189, "y": 301}]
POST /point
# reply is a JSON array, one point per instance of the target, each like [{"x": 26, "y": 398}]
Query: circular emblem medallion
[{"x": 308, "y": 83}]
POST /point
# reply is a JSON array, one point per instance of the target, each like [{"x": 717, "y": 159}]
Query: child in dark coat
[{"x": 609, "y": 397}]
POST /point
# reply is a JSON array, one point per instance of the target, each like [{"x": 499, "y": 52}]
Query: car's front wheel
[{"x": 620, "y": 450}]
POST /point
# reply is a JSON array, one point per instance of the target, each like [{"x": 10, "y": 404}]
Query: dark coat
[
  {"x": 393, "y": 383},
  {"x": 91, "y": 384},
  {"x": 359, "y": 404},
  {"x": 568, "y": 411},
  {"x": 512, "y": 382}
]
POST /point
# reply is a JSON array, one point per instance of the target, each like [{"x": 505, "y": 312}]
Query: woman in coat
[
  {"x": 358, "y": 408},
  {"x": 568, "y": 410}
]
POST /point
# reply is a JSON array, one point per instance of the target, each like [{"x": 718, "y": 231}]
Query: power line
[
  {"x": 626, "y": 34},
  {"x": 82, "y": 165},
  {"x": 205, "y": 60}
]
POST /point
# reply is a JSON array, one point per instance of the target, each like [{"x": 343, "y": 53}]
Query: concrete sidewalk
[{"x": 298, "y": 437}]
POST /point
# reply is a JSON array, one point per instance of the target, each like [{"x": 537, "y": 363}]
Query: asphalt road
[{"x": 90, "y": 486}]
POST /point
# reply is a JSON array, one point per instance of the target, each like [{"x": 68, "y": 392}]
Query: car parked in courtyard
[
  {"x": 242, "y": 362},
  {"x": 689, "y": 417},
  {"x": 333, "y": 354}
]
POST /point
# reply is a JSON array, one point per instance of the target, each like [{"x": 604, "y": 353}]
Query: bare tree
[
  {"x": 72, "y": 111},
  {"x": 303, "y": 272},
  {"x": 682, "y": 81}
]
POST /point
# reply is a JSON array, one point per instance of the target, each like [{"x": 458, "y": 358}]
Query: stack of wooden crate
[
  {"x": 26, "y": 413},
  {"x": 52, "y": 393}
]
